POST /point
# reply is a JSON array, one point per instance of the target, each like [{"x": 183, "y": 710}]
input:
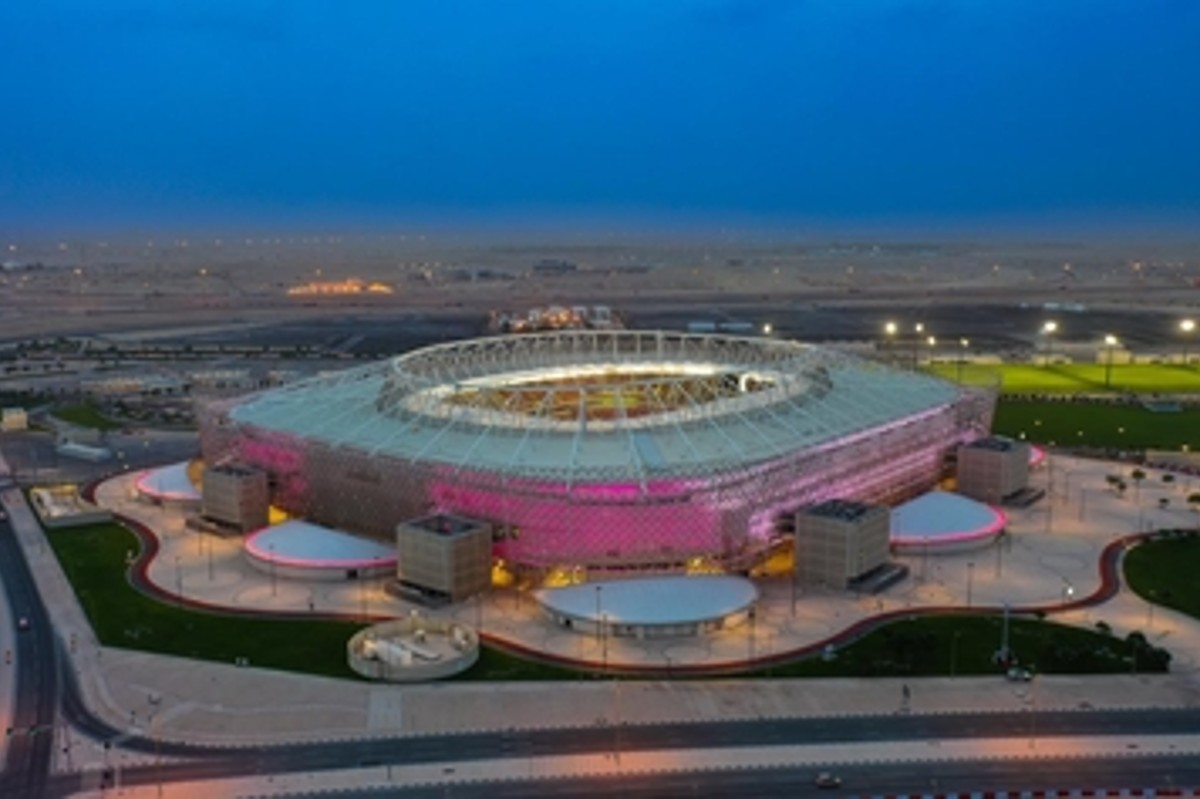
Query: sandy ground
[{"x": 236, "y": 283}]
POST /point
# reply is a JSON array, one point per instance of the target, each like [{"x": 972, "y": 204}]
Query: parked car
[
  {"x": 1016, "y": 674},
  {"x": 827, "y": 780}
]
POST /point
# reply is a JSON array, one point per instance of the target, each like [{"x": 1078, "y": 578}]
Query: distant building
[
  {"x": 991, "y": 469},
  {"x": 549, "y": 266},
  {"x": 132, "y": 385},
  {"x": 236, "y": 497},
  {"x": 840, "y": 540},
  {"x": 221, "y": 380},
  {"x": 13, "y": 419},
  {"x": 444, "y": 558}
]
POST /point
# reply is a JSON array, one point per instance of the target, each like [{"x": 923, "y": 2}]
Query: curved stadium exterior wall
[{"x": 607, "y": 449}]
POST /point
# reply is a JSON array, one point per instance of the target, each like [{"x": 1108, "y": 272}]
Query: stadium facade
[{"x": 600, "y": 449}]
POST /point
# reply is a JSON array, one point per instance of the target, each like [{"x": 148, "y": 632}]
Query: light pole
[
  {"x": 963, "y": 343},
  {"x": 1049, "y": 328},
  {"x": 1004, "y": 637},
  {"x": 599, "y": 629},
  {"x": 889, "y": 331},
  {"x": 918, "y": 330},
  {"x": 1186, "y": 328},
  {"x": 1110, "y": 343},
  {"x": 751, "y": 640},
  {"x": 970, "y": 580},
  {"x": 604, "y": 643}
]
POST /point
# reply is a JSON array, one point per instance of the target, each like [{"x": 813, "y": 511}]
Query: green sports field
[
  {"x": 1107, "y": 426},
  {"x": 1076, "y": 378}
]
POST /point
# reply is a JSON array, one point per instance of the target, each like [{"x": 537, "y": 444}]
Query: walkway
[{"x": 200, "y": 701}]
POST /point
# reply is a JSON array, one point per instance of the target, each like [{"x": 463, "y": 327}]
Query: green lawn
[
  {"x": 93, "y": 558},
  {"x": 1076, "y": 378},
  {"x": 1164, "y": 571},
  {"x": 85, "y": 415},
  {"x": 1099, "y": 425},
  {"x": 944, "y": 645}
]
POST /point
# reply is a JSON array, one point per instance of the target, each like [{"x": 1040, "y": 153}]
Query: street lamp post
[
  {"x": 918, "y": 330},
  {"x": 1186, "y": 328},
  {"x": 599, "y": 629},
  {"x": 1110, "y": 343},
  {"x": 963, "y": 343},
  {"x": 604, "y": 633},
  {"x": 271, "y": 547},
  {"x": 1049, "y": 328}
]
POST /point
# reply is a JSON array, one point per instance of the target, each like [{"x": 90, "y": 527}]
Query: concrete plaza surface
[{"x": 1050, "y": 557}]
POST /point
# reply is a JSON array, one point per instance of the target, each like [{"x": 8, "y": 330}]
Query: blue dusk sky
[{"x": 161, "y": 113}]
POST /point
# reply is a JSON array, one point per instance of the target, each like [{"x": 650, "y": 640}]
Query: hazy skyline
[{"x": 224, "y": 113}]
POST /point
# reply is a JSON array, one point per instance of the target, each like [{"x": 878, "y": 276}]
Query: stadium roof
[{"x": 396, "y": 408}]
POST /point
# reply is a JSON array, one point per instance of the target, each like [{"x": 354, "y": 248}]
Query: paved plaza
[{"x": 1049, "y": 558}]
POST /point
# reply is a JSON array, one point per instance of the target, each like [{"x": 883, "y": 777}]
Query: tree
[
  {"x": 1137, "y": 475},
  {"x": 1168, "y": 478},
  {"x": 1193, "y": 502}
]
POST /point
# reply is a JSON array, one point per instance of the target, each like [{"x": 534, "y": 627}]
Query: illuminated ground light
[{"x": 1037, "y": 456}]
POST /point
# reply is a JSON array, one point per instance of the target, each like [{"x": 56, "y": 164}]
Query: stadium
[{"x": 600, "y": 450}]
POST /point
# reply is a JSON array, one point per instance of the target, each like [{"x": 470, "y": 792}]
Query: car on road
[
  {"x": 23, "y": 623},
  {"x": 827, "y": 780},
  {"x": 1018, "y": 675}
]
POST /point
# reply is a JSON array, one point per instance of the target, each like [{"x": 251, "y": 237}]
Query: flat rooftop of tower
[
  {"x": 444, "y": 524},
  {"x": 994, "y": 444},
  {"x": 846, "y": 510}
]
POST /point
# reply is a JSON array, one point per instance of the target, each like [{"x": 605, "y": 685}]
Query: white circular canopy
[{"x": 652, "y": 600}]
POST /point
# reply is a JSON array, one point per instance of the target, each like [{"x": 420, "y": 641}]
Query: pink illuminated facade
[{"x": 487, "y": 429}]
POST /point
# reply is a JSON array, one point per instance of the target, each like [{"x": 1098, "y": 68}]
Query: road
[
  {"x": 35, "y": 657},
  {"x": 795, "y": 783}
]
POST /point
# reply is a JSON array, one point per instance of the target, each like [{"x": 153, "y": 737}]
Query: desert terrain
[{"x": 443, "y": 286}]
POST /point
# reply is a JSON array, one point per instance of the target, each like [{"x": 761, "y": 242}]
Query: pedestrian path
[{"x": 221, "y": 703}]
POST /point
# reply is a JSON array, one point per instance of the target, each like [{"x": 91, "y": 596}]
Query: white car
[{"x": 827, "y": 780}]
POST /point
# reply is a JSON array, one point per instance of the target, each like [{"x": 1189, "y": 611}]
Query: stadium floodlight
[
  {"x": 1049, "y": 328},
  {"x": 1110, "y": 343},
  {"x": 1186, "y": 327}
]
